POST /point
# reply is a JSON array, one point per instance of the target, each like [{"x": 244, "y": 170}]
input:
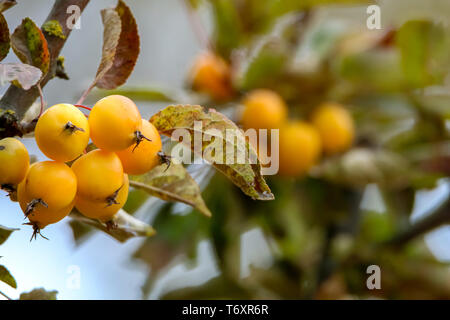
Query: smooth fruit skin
[
  {"x": 99, "y": 174},
  {"x": 336, "y": 127},
  {"x": 114, "y": 121},
  {"x": 41, "y": 215},
  {"x": 53, "y": 182},
  {"x": 145, "y": 156},
  {"x": 299, "y": 148},
  {"x": 96, "y": 209},
  {"x": 14, "y": 161},
  {"x": 211, "y": 74},
  {"x": 55, "y": 139},
  {"x": 263, "y": 109}
]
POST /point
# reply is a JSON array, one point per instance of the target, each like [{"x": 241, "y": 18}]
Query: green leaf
[
  {"x": 127, "y": 226},
  {"x": 171, "y": 184},
  {"x": 225, "y": 140},
  {"x": 39, "y": 294},
  {"x": 136, "y": 198},
  {"x": 265, "y": 59},
  {"x": 24, "y": 74},
  {"x": 30, "y": 45},
  {"x": 377, "y": 69},
  {"x": 6, "y": 4},
  {"x": 141, "y": 94},
  {"x": 424, "y": 48},
  {"x": 120, "y": 47},
  {"x": 7, "y": 278},
  {"x": 4, "y": 38},
  {"x": 262, "y": 69},
  {"x": 194, "y": 3},
  {"x": 53, "y": 28},
  {"x": 80, "y": 230},
  {"x": 5, "y": 233},
  {"x": 227, "y": 31}
]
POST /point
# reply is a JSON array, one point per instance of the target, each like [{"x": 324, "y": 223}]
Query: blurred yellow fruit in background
[
  {"x": 299, "y": 148},
  {"x": 211, "y": 74},
  {"x": 263, "y": 109},
  {"x": 335, "y": 126}
]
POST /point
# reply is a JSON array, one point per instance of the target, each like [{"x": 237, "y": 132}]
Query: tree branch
[
  {"x": 17, "y": 101},
  {"x": 433, "y": 220}
]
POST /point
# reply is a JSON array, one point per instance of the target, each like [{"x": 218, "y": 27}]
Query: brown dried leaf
[
  {"x": 26, "y": 75},
  {"x": 120, "y": 47},
  {"x": 214, "y": 125},
  {"x": 39, "y": 294},
  {"x": 172, "y": 184},
  {"x": 30, "y": 45},
  {"x": 6, "y": 4},
  {"x": 4, "y": 38}
]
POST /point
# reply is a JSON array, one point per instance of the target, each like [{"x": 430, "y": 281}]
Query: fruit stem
[
  {"x": 83, "y": 107},
  {"x": 111, "y": 225}
]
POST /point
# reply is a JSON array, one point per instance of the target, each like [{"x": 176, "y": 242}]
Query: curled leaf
[
  {"x": 6, "y": 4},
  {"x": 6, "y": 277},
  {"x": 222, "y": 144},
  {"x": 172, "y": 184},
  {"x": 120, "y": 47},
  {"x": 127, "y": 226},
  {"x": 4, "y": 38},
  {"x": 39, "y": 294},
  {"x": 30, "y": 45},
  {"x": 5, "y": 233},
  {"x": 26, "y": 75}
]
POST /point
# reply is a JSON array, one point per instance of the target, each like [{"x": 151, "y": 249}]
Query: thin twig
[
  {"x": 41, "y": 96},
  {"x": 197, "y": 26},
  {"x": 440, "y": 216},
  {"x": 5, "y": 296},
  {"x": 19, "y": 100},
  {"x": 85, "y": 94}
]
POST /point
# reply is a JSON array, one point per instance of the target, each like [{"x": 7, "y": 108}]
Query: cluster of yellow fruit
[
  {"x": 96, "y": 183},
  {"x": 331, "y": 130}
]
